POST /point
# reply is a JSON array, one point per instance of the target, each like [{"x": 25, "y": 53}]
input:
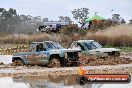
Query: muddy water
[
  {"x": 52, "y": 82},
  {"x": 39, "y": 82},
  {"x": 67, "y": 81}
]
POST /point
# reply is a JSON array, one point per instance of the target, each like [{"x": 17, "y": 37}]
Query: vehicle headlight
[{"x": 65, "y": 55}]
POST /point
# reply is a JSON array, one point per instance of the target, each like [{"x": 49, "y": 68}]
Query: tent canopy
[{"x": 95, "y": 17}]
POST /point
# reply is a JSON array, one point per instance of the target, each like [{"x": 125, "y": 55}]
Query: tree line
[{"x": 12, "y": 22}]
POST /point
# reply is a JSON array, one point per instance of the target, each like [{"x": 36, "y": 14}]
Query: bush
[
  {"x": 70, "y": 29},
  {"x": 102, "y": 24},
  {"x": 115, "y": 36}
]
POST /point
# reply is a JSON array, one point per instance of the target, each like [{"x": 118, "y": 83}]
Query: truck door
[
  {"x": 38, "y": 55},
  {"x": 41, "y": 54}
]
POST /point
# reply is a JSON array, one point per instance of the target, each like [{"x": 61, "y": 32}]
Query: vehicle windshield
[
  {"x": 97, "y": 45},
  {"x": 51, "y": 45},
  {"x": 92, "y": 45},
  {"x": 58, "y": 45}
]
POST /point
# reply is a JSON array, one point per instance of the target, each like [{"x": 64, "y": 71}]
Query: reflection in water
[
  {"x": 52, "y": 82},
  {"x": 62, "y": 81}
]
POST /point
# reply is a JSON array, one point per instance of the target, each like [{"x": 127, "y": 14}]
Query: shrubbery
[
  {"x": 73, "y": 29},
  {"x": 115, "y": 36}
]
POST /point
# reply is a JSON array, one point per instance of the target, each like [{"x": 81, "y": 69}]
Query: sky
[{"x": 54, "y": 8}]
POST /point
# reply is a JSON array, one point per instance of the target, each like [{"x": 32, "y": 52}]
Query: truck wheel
[
  {"x": 18, "y": 63},
  {"x": 117, "y": 54},
  {"x": 54, "y": 63}
]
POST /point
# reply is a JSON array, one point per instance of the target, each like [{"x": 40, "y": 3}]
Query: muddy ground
[
  {"x": 113, "y": 65},
  {"x": 13, "y": 71}
]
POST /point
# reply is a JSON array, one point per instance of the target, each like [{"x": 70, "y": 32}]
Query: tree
[
  {"x": 80, "y": 14},
  {"x": 25, "y": 18},
  {"x": 61, "y": 18},
  {"x": 65, "y": 19},
  {"x": 1, "y": 11},
  {"x": 130, "y": 21},
  {"x": 116, "y": 17},
  {"x": 8, "y": 20},
  {"x": 45, "y": 19},
  {"x": 12, "y": 12},
  {"x": 28, "y": 24},
  {"x": 123, "y": 21},
  {"x": 37, "y": 18}
]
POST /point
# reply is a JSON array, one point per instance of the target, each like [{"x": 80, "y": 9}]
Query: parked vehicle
[
  {"x": 94, "y": 48},
  {"x": 47, "y": 53},
  {"x": 51, "y": 27}
]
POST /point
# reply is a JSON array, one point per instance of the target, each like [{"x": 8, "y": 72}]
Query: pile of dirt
[
  {"x": 10, "y": 51},
  {"x": 93, "y": 61}
]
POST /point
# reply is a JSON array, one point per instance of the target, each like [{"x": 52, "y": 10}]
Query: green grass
[
  {"x": 126, "y": 49},
  {"x": 123, "y": 48}
]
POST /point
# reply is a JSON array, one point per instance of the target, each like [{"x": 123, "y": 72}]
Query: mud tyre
[
  {"x": 18, "y": 63},
  {"x": 117, "y": 54},
  {"x": 55, "y": 62}
]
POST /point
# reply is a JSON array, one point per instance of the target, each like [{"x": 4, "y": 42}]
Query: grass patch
[{"x": 124, "y": 49}]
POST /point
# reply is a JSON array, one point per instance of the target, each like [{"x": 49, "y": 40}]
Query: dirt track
[
  {"x": 12, "y": 71},
  {"x": 93, "y": 66}
]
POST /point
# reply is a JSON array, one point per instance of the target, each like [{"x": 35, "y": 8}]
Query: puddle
[
  {"x": 52, "y": 82},
  {"x": 6, "y": 59},
  {"x": 62, "y": 81},
  {"x": 39, "y": 82}
]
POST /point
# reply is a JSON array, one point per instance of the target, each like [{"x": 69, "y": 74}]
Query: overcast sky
[{"x": 54, "y": 8}]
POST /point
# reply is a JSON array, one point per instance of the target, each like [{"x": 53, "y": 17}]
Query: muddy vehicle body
[
  {"x": 47, "y": 53},
  {"x": 94, "y": 48}
]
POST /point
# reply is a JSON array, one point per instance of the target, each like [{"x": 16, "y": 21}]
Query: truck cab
[{"x": 47, "y": 53}]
